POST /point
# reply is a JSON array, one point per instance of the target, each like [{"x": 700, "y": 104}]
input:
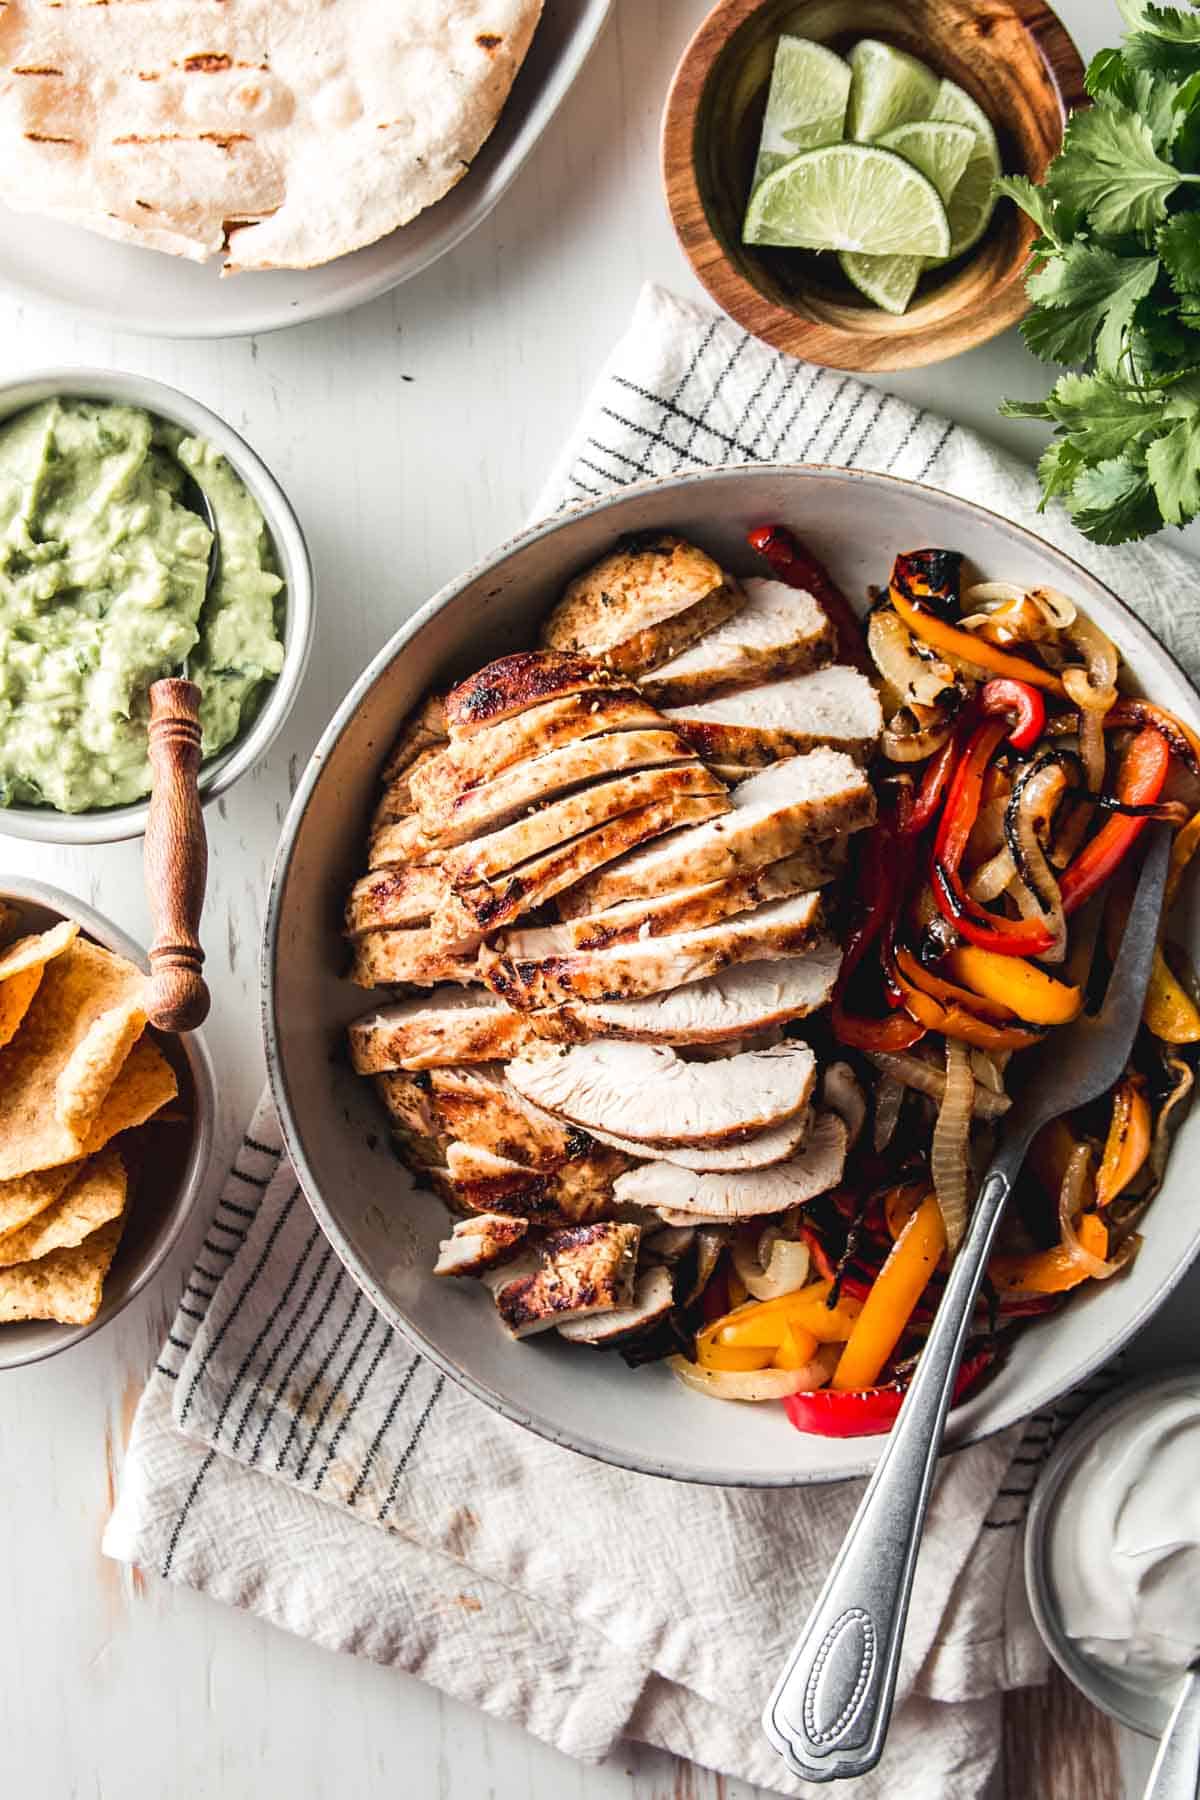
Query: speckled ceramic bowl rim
[
  {"x": 730, "y": 1476},
  {"x": 191, "y": 1180},
  {"x": 109, "y": 825},
  {"x": 1131, "y": 1706}
]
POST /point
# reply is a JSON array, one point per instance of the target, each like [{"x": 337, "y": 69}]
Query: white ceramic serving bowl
[
  {"x": 385, "y": 1230},
  {"x": 109, "y": 824},
  {"x": 169, "y": 1184}
]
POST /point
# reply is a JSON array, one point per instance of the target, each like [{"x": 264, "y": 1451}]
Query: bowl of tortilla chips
[{"x": 106, "y": 1125}]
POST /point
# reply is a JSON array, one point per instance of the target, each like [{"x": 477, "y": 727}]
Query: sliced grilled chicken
[
  {"x": 649, "y": 1094},
  {"x": 410, "y": 957},
  {"x": 469, "y": 761},
  {"x": 398, "y": 800},
  {"x": 398, "y": 894},
  {"x": 515, "y": 683},
  {"x": 653, "y": 1300},
  {"x": 451, "y": 1025},
  {"x": 484, "y": 1242},
  {"x": 803, "y": 801},
  {"x": 692, "y": 909},
  {"x": 400, "y": 841},
  {"x": 535, "y": 969},
  {"x": 497, "y": 903},
  {"x": 421, "y": 731},
  {"x": 643, "y": 604},
  {"x": 479, "y": 1108},
  {"x": 585, "y": 1269},
  {"x": 759, "y": 1152},
  {"x": 836, "y": 707},
  {"x": 752, "y": 997},
  {"x": 499, "y": 852},
  {"x": 577, "y": 1192},
  {"x": 541, "y": 779},
  {"x": 725, "y": 1196},
  {"x": 780, "y": 631},
  {"x": 409, "y": 1104}
]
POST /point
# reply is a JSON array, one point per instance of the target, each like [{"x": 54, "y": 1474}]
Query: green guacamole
[{"x": 103, "y": 567}]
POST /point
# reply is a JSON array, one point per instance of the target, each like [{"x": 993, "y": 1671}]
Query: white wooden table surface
[{"x": 412, "y": 436}]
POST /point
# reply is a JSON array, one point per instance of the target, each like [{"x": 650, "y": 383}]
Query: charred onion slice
[
  {"x": 949, "y": 1157},
  {"x": 1028, "y": 822},
  {"x": 753, "y": 1384}
]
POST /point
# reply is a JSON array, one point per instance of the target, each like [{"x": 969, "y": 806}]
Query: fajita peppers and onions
[{"x": 969, "y": 936}]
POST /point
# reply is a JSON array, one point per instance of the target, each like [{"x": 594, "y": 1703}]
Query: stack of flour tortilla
[
  {"x": 273, "y": 133},
  {"x": 79, "y": 1074}
]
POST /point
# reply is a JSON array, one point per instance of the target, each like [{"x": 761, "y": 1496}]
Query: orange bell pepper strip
[
  {"x": 947, "y": 994},
  {"x": 893, "y": 1298},
  {"x": 1043, "y": 1272},
  {"x": 1012, "y": 982},
  {"x": 952, "y": 641},
  {"x": 724, "y": 1357},
  {"x": 1128, "y": 1143},
  {"x": 899, "y": 1205},
  {"x": 1049, "y": 1155},
  {"x": 955, "y": 1021},
  {"x": 1092, "y": 1233},
  {"x": 797, "y": 1348}
]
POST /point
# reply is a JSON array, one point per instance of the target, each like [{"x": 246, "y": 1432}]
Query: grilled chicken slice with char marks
[
  {"x": 398, "y": 799},
  {"x": 759, "y": 1152},
  {"x": 478, "y": 1107},
  {"x": 498, "y": 902},
  {"x": 483, "y": 1242},
  {"x": 448, "y": 1026},
  {"x": 536, "y": 969},
  {"x": 542, "y": 779},
  {"x": 499, "y": 852},
  {"x": 514, "y": 683},
  {"x": 836, "y": 707},
  {"x": 422, "y": 730},
  {"x": 649, "y": 1094},
  {"x": 470, "y": 761},
  {"x": 643, "y": 604},
  {"x": 750, "y": 997},
  {"x": 683, "y": 1192},
  {"x": 584, "y": 1269},
  {"x": 410, "y": 957},
  {"x": 400, "y": 842},
  {"x": 398, "y": 894},
  {"x": 780, "y": 631},
  {"x": 803, "y": 801},
  {"x": 653, "y": 1300},
  {"x": 692, "y": 909},
  {"x": 575, "y": 1193}
]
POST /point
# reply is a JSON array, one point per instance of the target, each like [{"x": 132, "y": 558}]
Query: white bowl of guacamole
[{"x": 104, "y": 561}]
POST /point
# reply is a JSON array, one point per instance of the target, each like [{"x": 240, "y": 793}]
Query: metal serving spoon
[
  {"x": 828, "y": 1716},
  {"x": 1176, "y": 1771},
  {"x": 175, "y": 857}
]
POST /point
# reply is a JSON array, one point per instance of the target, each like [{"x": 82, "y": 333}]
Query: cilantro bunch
[{"x": 1115, "y": 285}]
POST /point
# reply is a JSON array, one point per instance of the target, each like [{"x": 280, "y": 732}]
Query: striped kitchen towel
[{"x": 294, "y": 1456}]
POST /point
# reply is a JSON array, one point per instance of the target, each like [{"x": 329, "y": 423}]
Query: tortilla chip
[
  {"x": 25, "y": 1196},
  {"x": 55, "y": 1074},
  {"x": 146, "y": 1082},
  {"x": 21, "y": 968},
  {"x": 66, "y": 1285},
  {"x": 96, "y": 1195}
]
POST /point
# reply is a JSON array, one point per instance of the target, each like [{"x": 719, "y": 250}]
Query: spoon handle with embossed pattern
[{"x": 176, "y": 859}]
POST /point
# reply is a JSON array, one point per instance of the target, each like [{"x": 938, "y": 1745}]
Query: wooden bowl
[{"x": 1013, "y": 56}]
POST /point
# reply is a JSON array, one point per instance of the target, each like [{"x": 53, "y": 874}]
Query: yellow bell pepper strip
[
  {"x": 762, "y": 1324},
  {"x": 1043, "y": 1272},
  {"x": 1013, "y": 982},
  {"x": 947, "y": 994},
  {"x": 893, "y": 1298},
  {"x": 953, "y": 641},
  {"x": 1128, "y": 1143},
  {"x": 1170, "y": 1012},
  {"x": 723, "y": 1357},
  {"x": 899, "y": 1205},
  {"x": 1140, "y": 782},
  {"x": 797, "y": 1348}
]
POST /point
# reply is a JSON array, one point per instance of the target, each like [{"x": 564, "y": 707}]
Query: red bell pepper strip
[
  {"x": 799, "y": 568},
  {"x": 1183, "y": 741},
  {"x": 830, "y": 1413},
  {"x": 1139, "y": 783},
  {"x": 1008, "y": 698},
  {"x": 818, "y": 1253},
  {"x": 991, "y": 931},
  {"x": 884, "y": 876},
  {"x": 932, "y": 790}
]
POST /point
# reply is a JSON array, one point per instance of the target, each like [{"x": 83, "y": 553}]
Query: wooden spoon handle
[{"x": 176, "y": 859}]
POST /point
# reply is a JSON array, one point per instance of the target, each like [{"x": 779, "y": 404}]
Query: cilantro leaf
[
  {"x": 1102, "y": 418},
  {"x": 1033, "y": 200},
  {"x": 1114, "y": 502},
  {"x": 1185, "y": 142},
  {"x": 1111, "y": 78},
  {"x": 1173, "y": 463},
  {"x": 1061, "y": 462},
  {"x": 1160, "y": 56},
  {"x": 1179, "y": 247},
  {"x": 1079, "y": 292},
  {"x": 1109, "y": 168}
]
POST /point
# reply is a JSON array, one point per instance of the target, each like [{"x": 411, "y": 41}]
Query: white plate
[
  {"x": 167, "y": 296},
  {"x": 386, "y": 1231}
]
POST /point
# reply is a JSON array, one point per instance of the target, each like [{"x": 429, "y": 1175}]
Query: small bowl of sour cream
[
  {"x": 1112, "y": 1549},
  {"x": 105, "y": 588}
]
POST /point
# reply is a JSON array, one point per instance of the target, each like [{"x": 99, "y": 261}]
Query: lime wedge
[
  {"x": 806, "y": 104},
  {"x": 972, "y": 203},
  {"x": 887, "y": 87},
  {"x": 941, "y": 151},
  {"x": 849, "y": 197}
]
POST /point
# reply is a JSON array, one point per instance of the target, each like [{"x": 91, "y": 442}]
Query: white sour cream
[{"x": 1124, "y": 1549}]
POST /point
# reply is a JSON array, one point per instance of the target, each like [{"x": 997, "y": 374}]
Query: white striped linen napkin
[{"x": 294, "y": 1456}]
